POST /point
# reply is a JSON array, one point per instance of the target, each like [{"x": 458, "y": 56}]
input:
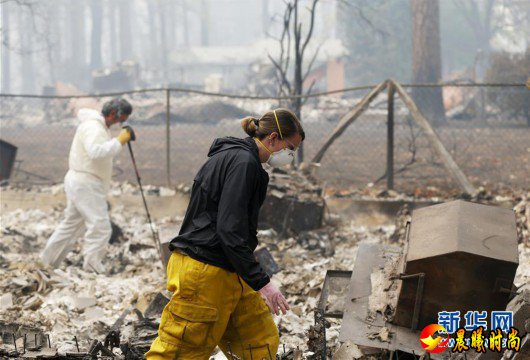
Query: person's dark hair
[
  {"x": 121, "y": 106},
  {"x": 266, "y": 125}
]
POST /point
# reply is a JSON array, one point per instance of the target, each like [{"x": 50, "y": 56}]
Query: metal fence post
[
  {"x": 168, "y": 137},
  {"x": 390, "y": 138}
]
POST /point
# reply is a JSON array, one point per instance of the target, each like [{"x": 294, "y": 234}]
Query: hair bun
[{"x": 250, "y": 125}]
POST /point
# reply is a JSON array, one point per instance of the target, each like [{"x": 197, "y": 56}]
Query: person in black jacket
[{"x": 221, "y": 294}]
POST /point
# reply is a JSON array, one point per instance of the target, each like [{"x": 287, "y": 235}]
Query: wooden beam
[
  {"x": 390, "y": 138},
  {"x": 348, "y": 119},
  {"x": 440, "y": 150}
]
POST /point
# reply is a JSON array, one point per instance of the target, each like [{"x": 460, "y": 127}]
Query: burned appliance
[{"x": 460, "y": 256}]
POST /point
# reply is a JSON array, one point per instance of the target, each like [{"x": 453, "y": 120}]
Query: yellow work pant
[{"x": 211, "y": 306}]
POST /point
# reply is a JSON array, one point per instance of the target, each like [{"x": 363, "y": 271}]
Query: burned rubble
[
  {"x": 300, "y": 200},
  {"x": 76, "y": 309},
  {"x": 151, "y": 108}
]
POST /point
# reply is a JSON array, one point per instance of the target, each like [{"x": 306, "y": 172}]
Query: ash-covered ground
[{"x": 68, "y": 301}]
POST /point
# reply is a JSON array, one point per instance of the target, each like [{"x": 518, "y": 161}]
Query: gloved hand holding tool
[
  {"x": 127, "y": 134},
  {"x": 274, "y": 299}
]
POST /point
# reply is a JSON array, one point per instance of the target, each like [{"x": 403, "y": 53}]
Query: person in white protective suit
[{"x": 86, "y": 185}]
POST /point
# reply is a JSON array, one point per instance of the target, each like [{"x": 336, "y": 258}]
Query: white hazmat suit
[{"x": 86, "y": 185}]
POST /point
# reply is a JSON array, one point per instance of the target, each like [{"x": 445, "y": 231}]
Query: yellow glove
[{"x": 124, "y": 136}]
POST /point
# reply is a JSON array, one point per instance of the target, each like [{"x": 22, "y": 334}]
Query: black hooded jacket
[{"x": 221, "y": 221}]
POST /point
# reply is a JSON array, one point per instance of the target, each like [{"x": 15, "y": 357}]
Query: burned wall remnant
[{"x": 294, "y": 203}]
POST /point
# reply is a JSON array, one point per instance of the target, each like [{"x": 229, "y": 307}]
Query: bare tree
[
  {"x": 155, "y": 42},
  {"x": 6, "y": 56},
  {"x": 265, "y": 15},
  {"x": 51, "y": 41},
  {"x": 426, "y": 58},
  {"x": 162, "y": 10},
  {"x": 126, "y": 39},
  {"x": 172, "y": 13},
  {"x": 185, "y": 25},
  {"x": 205, "y": 22},
  {"x": 27, "y": 71},
  {"x": 293, "y": 47},
  {"x": 28, "y": 3},
  {"x": 488, "y": 18},
  {"x": 479, "y": 18},
  {"x": 77, "y": 34},
  {"x": 17, "y": 23},
  {"x": 113, "y": 31},
  {"x": 96, "y": 12},
  {"x": 31, "y": 35}
]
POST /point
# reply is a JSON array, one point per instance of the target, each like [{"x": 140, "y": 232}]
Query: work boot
[{"x": 94, "y": 265}]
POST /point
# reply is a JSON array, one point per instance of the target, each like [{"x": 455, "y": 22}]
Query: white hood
[{"x": 89, "y": 114}]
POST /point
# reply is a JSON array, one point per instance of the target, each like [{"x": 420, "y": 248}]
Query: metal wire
[{"x": 251, "y": 97}]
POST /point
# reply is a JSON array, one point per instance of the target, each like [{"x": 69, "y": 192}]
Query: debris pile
[
  {"x": 68, "y": 302},
  {"x": 302, "y": 278},
  {"x": 522, "y": 216},
  {"x": 403, "y": 217},
  {"x": 518, "y": 200},
  {"x": 151, "y": 107},
  {"x": 298, "y": 198}
]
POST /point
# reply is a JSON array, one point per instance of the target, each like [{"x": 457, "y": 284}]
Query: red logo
[{"x": 434, "y": 339}]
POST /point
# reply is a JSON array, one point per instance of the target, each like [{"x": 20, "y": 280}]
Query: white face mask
[{"x": 281, "y": 158}]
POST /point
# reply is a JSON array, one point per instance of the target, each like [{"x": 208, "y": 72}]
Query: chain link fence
[{"x": 486, "y": 129}]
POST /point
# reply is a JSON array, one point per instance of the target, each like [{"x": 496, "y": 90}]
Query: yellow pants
[{"x": 212, "y": 306}]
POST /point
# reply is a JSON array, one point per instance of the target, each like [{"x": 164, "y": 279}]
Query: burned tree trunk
[
  {"x": 53, "y": 45},
  {"x": 479, "y": 16},
  {"x": 162, "y": 10},
  {"x": 27, "y": 69},
  {"x": 96, "y": 12},
  {"x": 185, "y": 26},
  {"x": 265, "y": 16},
  {"x": 292, "y": 29},
  {"x": 298, "y": 80},
  {"x": 205, "y": 23},
  {"x": 125, "y": 30},
  {"x": 113, "y": 32},
  {"x": 154, "y": 43},
  {"x": 426, "y": 59},
  {"x": 77, "y": 35},
  {"x": 6, "y": 55}
]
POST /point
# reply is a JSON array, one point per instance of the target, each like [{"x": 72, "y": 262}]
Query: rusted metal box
[{"x": 460, "y": 256}]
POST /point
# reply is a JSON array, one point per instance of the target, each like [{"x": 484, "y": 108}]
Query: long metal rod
[
  {"x": 155, "y": 234},
  {"x": 168, "y": 137},
  {"x": 76, "y": 343},
  {"x": 230, "y": 352}
]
